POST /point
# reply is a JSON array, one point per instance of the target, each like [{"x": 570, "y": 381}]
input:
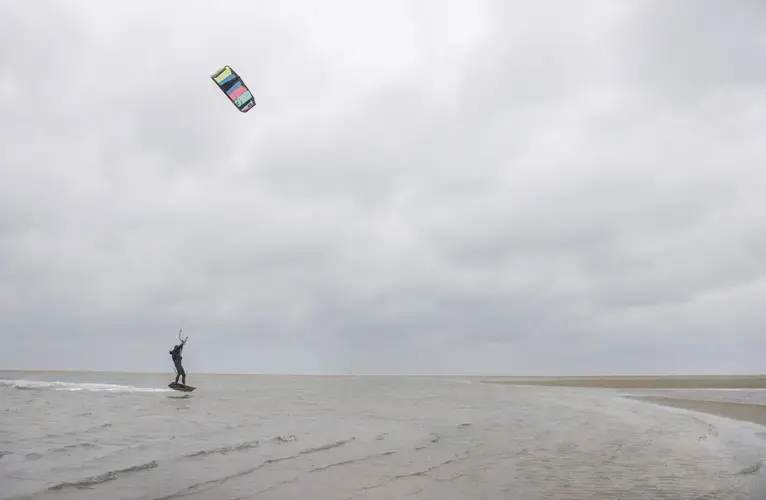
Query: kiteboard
[{"x": 181, "y": 387}]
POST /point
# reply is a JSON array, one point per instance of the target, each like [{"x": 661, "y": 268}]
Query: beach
[
  {"x": 745, "y": 412},
  {"x": 755, "y": 381},
  {"x": 700, "y": 393},
  {"x": 103, "y": 436}
]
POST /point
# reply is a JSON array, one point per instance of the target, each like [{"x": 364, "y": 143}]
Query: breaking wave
[{"x": 36, "y": 385}]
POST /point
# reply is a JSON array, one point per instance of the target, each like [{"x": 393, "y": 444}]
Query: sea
[{"x": 127, "y": 436}]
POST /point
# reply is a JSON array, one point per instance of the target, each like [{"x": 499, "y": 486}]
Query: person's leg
[
  {"x": 179, "y": 371},
  {"x": 183, "y": 376}
]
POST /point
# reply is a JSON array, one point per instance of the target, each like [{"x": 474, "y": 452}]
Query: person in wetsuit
[{"x": 176, "y": 355}]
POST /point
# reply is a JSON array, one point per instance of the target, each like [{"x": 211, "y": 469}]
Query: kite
[{"x": 232, "y": 85}]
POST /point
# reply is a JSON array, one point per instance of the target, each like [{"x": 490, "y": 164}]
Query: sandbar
[
  {"x": 756, "y": 381},
  {"x": 737, "y": 411},
  {"x": 755, "y": 413}
]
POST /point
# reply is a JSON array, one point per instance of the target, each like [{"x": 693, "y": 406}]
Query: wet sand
[
  {"x": 755, "y": 413},
  {"x": 642, "y": 382},
  {"x": 738, "y": 411}
]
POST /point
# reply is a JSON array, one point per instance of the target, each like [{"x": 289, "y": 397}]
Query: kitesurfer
[{"x": 176, "y": 355}]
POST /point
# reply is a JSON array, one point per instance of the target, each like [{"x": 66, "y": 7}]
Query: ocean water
[{"x": 105, "y": 436}]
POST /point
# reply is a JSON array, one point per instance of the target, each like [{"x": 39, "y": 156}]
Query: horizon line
[{"x": 339, "y": 374}]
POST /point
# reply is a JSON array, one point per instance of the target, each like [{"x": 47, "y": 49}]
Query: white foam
[{"x": 76, "y": 386}]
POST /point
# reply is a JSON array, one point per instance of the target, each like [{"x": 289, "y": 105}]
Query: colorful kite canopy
[{"x": 233, "y": 86}]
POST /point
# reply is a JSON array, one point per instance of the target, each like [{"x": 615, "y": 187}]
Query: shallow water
[
  {"x": 97, "y": 436},
  {"x": 747, "y": 396}
]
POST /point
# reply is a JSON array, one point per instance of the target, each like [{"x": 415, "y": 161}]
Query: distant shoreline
[
  {"x": 754, "y": 413},
  {"x": 738, "y": 411},
  {"x": 754, "y": 381}
]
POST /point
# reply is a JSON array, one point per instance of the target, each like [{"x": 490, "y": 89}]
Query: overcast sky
[{"x": 423, "y": 187}]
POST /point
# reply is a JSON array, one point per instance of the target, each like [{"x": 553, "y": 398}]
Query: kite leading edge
[{"x": 235, "y": 89}]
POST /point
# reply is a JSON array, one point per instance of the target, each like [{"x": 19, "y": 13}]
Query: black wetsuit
[{"x": 176, "y": 355}]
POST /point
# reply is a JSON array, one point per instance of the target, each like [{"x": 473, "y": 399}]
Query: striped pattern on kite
[{"x": 235, "y": 89}]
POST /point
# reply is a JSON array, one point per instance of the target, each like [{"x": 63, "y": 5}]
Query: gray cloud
[
  {"x": 695, "y": 57},
  {"x": 493, "y": 188}
]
